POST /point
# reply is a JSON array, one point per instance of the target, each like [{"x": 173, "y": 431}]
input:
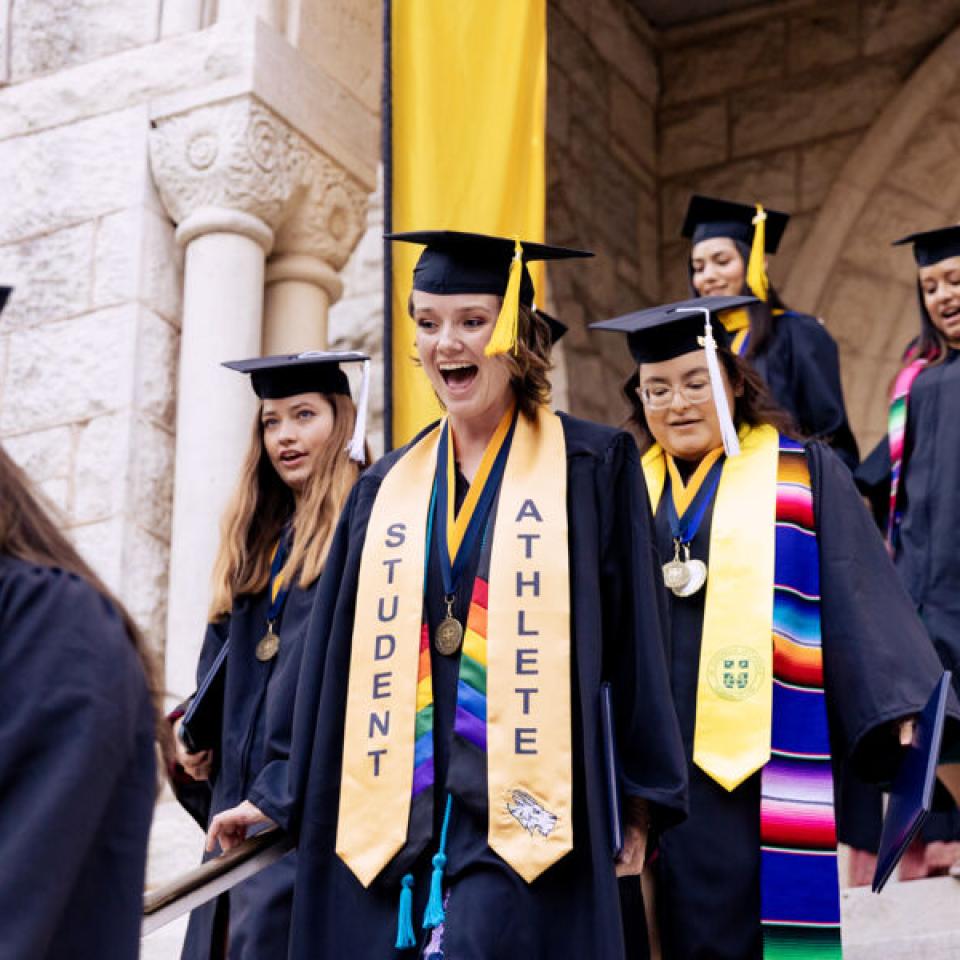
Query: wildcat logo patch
[{"x": 531, "y": 815}]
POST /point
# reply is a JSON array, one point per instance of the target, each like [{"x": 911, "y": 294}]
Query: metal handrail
[{"x": 210, "y": 879}]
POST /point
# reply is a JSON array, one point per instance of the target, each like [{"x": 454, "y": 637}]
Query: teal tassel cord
[
  {"x": 434, "y": 915},
  {"x": 405, "y": 937}
]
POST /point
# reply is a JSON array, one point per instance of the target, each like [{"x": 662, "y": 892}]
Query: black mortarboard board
[
  {"x": 673, "y": 329},
  {"x": 932, "y": 246},
  {"x": 288, "y": 374},
  {"x": 457, "y": 262},
  {"x": 4, "y": 295},
  {"x": 709, "y": 217},
  {"x": 557, "y": 329}
]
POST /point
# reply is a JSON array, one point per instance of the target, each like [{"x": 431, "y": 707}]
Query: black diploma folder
[
  {"x": 611, "y": 769},
  {"x": 911, "y": 796},
  {"x": 202, "y": 721}
]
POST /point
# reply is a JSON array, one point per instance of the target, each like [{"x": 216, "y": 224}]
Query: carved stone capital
[
  {"x": 236, "y": 155},
  {"x": 329, "y": 219}
]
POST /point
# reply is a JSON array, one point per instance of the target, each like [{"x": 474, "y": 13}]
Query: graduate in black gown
[
  {"x": 302, "y": 463},
  {"x": 480, "y": 855},
  {"x": 923, "y": 448},
  {"x": 792, "y": 351},
  {"x": 77, "y": 747},
  {"x": 768, "y": 729}
]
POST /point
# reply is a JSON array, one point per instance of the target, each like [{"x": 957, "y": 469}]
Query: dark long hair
[
  {"x": 762, "y": 319},
  {"x": 28, "y": 533},
  {"x": 930, "y": 343},
  {"x": 754, "y": 405}
]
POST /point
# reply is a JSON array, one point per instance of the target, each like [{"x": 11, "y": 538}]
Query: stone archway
[{"x": 903, "y": 176}]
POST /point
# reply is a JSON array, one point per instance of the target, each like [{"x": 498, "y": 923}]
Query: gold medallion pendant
[
  {"x": 267, "y": 648},
  {"x": 448, "y": 636}
]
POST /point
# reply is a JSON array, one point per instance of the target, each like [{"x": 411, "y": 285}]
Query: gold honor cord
[
  {"x": 457, "y": 523},
  {"x": 732, "y": 732}
]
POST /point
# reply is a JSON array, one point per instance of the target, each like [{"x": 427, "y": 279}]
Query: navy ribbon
[
  {"x": 279, "y": 559},
  {"x": 685, "y": 528}
]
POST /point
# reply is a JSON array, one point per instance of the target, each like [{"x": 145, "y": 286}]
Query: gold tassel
[
  {"x": 756, "y": 272},
  {"x": 504, "y": 338}
]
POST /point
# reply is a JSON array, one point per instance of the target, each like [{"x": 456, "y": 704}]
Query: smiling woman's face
[
  {"x": 295, "y": 431},
  {"x": 688, "y": 431},
  {"x": 717, "y": 269},
  {"x": 452, "y": 331},
  {"x": 940, "y": 284}
]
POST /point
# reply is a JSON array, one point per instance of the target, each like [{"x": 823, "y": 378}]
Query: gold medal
[
  {"x": 449, "y": 633},
  {"x": 267, "y": 648}
]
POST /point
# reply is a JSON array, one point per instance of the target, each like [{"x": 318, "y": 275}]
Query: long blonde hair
[{"x": 262, "y": 504}]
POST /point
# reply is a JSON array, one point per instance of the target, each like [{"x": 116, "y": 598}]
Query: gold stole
[
  {"x": 732, "y": 733},
  {"x": 529, "y": 755}
]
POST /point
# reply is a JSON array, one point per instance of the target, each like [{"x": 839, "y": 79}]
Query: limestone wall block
[
  {"x": 770, "y": 179},
  {"x": 47, "y": 458},
  {"x": 71, "y": 174},
  {"x": 101, "y": 545},
  {"x": 57, "y": 494},
  {"x": 901, "y": 23},
  {"x": 625, "y": 45},
  {"x": 344, "y": 37},
  {"x": 819, "y": 165},
  {"x": 144, "y": 590},
  {"x": 814, "y": 106},
  {"x": 558, "y": 107},
  {"x": 724, "y": 62},
  {"x": 68, "y": 371},
  {"x": 152, "y": 459},
  {"x": 137, "y": 258},
  {"x": 158, "y": 348},
  {"x": 823, "y": 35},
  {"x": 793, "y": 240},
  {"x": 926, "y": 168},
  {"x": 198, "y": 60},
  {"x": 51, "y": 276},
  {"x": 693, "y": 136},
  {"x": 47, "y": 35},
  {"x": 101, "y": 469},
  {"x": 570, "y": 50},
  {"x": 889, "y": 215},
  {"x": 633, "y": 122},
  {"x": 674, "y": 277}
]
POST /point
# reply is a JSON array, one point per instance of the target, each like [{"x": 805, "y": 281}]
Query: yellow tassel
[
  {"x": 504, "y": 338},
  {"x": 756, "y": 272}
]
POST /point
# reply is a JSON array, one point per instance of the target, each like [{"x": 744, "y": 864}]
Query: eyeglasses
[{"x": 660, "y": 395}]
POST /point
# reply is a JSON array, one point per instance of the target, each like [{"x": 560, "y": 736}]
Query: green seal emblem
[{"x": 735, "y": 673}]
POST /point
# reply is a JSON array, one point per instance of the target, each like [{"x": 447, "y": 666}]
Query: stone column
[
  {"x": 312, "y": 246},
  {"x": 227, "y": 175}
]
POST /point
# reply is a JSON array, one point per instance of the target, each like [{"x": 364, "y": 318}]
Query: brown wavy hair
[
  {"x": 529, "y": 364},
  {"x": 28, "y": 532},
  {"x": 262, "y": 504},
  {"x": 753, "y": 406}
]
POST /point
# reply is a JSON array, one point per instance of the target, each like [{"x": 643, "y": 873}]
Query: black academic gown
[
  {"x": 878, "y": 667},
  {"x": 926, "y": 555},
  {"x": 77, "y": 772},
  {"x": 257, "y": 911},
  {"x": 802, "y": 368},
  {"x": 573, "y": 909}
]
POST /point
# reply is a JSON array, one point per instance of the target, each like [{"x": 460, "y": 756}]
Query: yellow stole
[
  {"x": 529, "y": 755},
  {"x": 732, "y": 735}
]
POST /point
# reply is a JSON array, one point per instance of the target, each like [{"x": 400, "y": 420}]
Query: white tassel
[
  {"x": 731, "y": 442},
  {"x": 357, "y": 448}
]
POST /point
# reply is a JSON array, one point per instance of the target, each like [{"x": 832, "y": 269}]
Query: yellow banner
[{"x": 469, "y": 82}]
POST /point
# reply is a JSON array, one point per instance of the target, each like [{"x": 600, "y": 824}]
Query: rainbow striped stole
[
  {"x": 470, "y": 723},
  {"x": 896, "y": 434},
  {"x": 800, "y": 892}
]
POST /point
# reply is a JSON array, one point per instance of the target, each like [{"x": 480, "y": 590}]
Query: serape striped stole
[
  {"x": 800, "y": 895},
  {"x": 896, "y": 435}
]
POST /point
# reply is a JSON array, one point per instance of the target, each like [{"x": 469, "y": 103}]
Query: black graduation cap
[
  {"x": 709, "y": 217},
  {"x": 557, "y": 329},
  {"x": 457, "y": 262},
  {"x": 932, "y": 246},
  {"x": 287, "y": 374},
  {"x": 4, "y": 295},
  {"x": 673, "y": 329}
]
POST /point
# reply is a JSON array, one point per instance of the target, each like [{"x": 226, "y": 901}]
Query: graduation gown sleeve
[
  {"x": 879, "y": 663},
  {"x": 77, "y": 777},
  {"x": 635, "y": 631}
]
